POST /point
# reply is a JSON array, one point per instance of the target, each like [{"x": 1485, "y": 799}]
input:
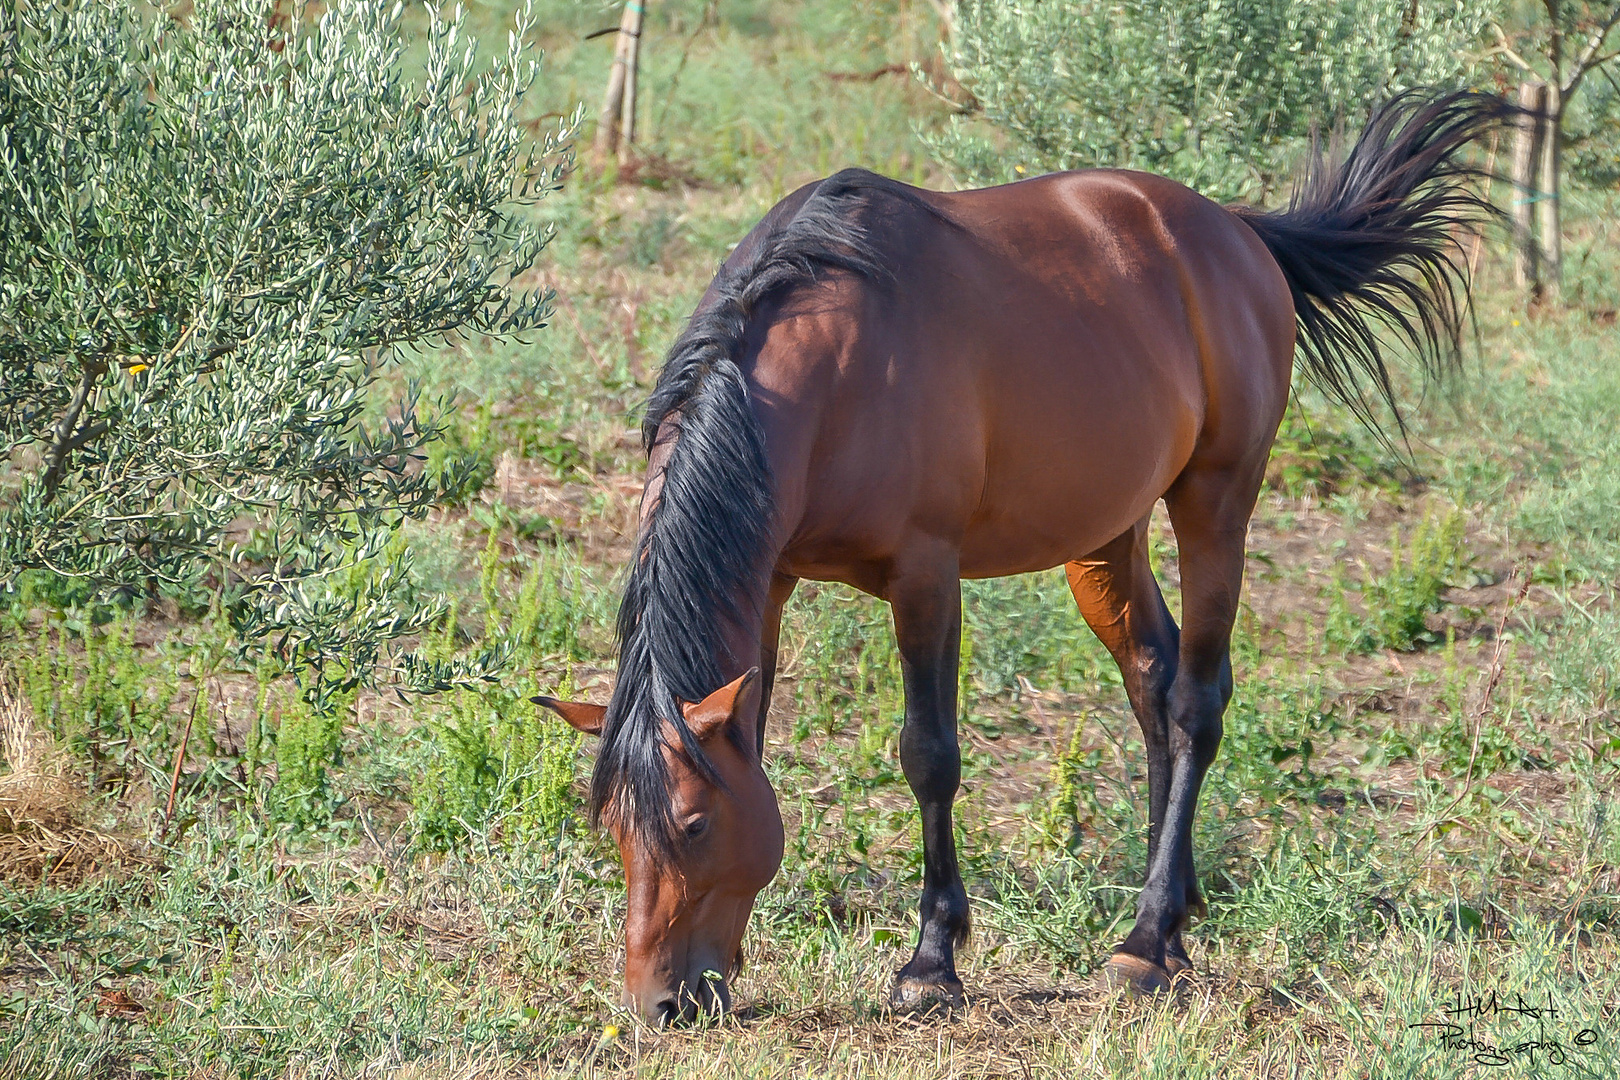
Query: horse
[{"x": 898, "y": 388}]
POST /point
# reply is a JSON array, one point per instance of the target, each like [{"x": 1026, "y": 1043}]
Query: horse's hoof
[
  {"x": 1134, "y": 975},
  {"x": 915, "y": 995},
  {"x": 1175, "y": 965}
]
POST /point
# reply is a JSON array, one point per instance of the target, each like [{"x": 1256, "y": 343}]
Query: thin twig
[
  {"x": 1491, "y": 681},
  {"x": 1505, "y": 49},
  {"x": 179, "y": 763},
  {"x": 712, "y": 11}
]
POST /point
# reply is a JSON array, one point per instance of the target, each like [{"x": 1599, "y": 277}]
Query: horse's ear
[
  {"x": 581, "y": 715},
  {"x": 737, "y": 700}
]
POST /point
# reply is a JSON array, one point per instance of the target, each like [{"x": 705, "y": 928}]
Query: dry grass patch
[{"x": 44, "y": 833}]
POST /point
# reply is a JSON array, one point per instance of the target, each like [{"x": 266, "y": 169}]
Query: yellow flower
[{"x": 136, "y": 369}]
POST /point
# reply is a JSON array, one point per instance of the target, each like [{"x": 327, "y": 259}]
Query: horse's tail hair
[{"x": 1369, "y": 243}]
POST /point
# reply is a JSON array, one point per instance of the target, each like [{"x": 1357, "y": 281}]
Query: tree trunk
[
  {"x": 619, "y": 103},
  {"x": 1548, "y": 229},
  {"x": 1526, "y": 167}
]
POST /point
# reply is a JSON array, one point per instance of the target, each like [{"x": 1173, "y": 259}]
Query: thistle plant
[{"x": 218, "y": 235}]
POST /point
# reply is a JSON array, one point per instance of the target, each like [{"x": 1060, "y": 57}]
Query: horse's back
[
  {"x": 1044, "y": 363},
  {"x": 1174, "y": 296}
]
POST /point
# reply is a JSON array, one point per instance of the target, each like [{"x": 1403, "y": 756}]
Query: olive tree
[
  {"x": 1218, "y": 94},
  {"x": 217, "y": 235}
]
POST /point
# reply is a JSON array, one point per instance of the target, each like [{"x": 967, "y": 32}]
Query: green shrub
[
  {"x": 1318, "y": 456},
  {"x": 1309, "y": 894},
  {"x": 1028, "y": 626},
  {"x": 556, "y": 599},
  {"x": 846, "y": 662},
  {"x": 466, "y": 450},
  {"x": 1468, "y": 738},
  {"x": 1218, "y": 96},
  {"x": 1590, "y": 127},
  {"x": 219, "y": 231}
]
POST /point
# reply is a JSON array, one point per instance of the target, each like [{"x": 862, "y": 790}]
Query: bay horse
[{"x": 896, "y": 389}]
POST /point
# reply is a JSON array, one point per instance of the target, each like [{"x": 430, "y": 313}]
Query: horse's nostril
[{"x": 664, "y": 1011}]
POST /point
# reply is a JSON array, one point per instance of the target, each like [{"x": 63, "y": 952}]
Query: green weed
[
  {"x": 846, "y": 664},
  {"x": 648, "y": 238},
  {"x": 308, "y": 747},
  {"x": 1027, "y": 627},
  {"x": 496, "y": 768},
  {"x": 110, "y": 704},
  {"x": 1318, "y": 454},
  {"x": 1074, "y": 792},
  {"x": 1469, "y": 737},
  {"x": 1396, "y": 604}
]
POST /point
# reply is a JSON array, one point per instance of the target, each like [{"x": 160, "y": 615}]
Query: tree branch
[
  {"x": 1555, "y": 37},
  {"x": 1504, "y": 48},
  {"x": 1589, "y": 58},
  {"x": 66, "y": 439}
]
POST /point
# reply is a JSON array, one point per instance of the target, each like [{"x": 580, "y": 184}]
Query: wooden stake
[
  {"x": 616, "y": 123},
  {"x": 1549, "y": 231},
  {"x": 1490, "y": 181},
  {"x": 1526, "y": 157},
  {"x": 632, "y": 63}
]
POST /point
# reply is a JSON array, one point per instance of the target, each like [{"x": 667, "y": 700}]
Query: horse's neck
[{"x": 739, "y": 636}]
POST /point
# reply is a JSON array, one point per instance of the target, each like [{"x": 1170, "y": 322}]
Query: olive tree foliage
[
  {"x": 1592, "y": 131},
  {"x": 1219, "y": 94},
  {"x": 217, "y": 235}
]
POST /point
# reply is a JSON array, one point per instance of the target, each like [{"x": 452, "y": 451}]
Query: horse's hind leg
[
  {"x": 1116, "y": 592},
  {"x": 1209, "y": 509},
  {"x": 927, "y": 604}
]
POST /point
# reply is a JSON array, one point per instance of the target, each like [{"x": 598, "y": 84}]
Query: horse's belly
[{"x": 1049, "y": 516}]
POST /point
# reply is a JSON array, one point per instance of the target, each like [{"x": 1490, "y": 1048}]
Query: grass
[{"x": 1414, "y": 808}]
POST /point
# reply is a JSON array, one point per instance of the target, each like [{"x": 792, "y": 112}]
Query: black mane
[{"x": 700, "y": 558}]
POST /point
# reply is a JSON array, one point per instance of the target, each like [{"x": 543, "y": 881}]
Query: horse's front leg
[
  {"x": 927, "y": 604},
  {"x": 770, "y": 637}
]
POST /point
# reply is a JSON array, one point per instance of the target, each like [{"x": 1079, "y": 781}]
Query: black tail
[{"x": 1367, "y": 242}]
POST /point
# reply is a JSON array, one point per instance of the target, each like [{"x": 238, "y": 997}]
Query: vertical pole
[
  {"x": 1490, "y": 180},
  {"x": 613, "y": 101},
  {"x": 630, "y": 31},
  {"x": 1548, "y": 230},
  {"x": 1526, "y": 157}
]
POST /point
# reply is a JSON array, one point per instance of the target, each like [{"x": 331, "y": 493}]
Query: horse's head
[{"x": 688, "y": 906}]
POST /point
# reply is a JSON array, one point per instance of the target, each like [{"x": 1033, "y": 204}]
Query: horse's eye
[{"x": 696, "y": 828}]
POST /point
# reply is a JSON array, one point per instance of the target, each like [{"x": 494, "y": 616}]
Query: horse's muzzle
[{"x": 699, "y": 996}]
